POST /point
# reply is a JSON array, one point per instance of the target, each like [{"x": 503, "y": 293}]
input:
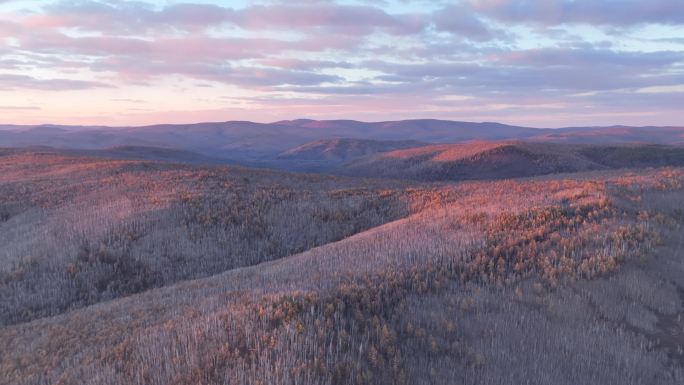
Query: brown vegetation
[
  {"x": 78, "y": 231},
  {"x": 496, "y": 160},
  {"x": 553, "y": 280}
]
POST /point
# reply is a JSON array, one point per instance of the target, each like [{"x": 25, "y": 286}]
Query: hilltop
[{"x": 496, "y": 160}]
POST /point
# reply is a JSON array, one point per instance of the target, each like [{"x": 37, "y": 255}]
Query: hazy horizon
[{"x": 180, "y": 123}]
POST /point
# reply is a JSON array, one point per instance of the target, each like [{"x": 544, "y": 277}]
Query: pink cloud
[
  {"x": 354, "y": 20},
  {"x": 129, "y": 17},
  {"x": 12, "y": 81}
]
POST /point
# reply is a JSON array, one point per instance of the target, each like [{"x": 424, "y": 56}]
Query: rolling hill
[
  {"x": 252, "y": 143},
  {"x": 353, "y": 283},
  {"x": 344, "y": 149},
  {"x": 77, "y": 230},
  {"x": 495, "y": 160},
  {"x": 159, "y": 265}
]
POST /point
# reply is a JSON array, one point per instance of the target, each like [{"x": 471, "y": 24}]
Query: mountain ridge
[{"x": 251, "y": 141}]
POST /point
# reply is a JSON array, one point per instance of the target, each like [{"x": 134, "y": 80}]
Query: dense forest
[{"x": 142, "y": 272}]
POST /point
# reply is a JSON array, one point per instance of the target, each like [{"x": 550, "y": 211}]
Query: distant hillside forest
[{"x": 305, "y": 144}]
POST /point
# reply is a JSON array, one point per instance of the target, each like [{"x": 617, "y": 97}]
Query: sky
[{"x": 539, "y": 63}]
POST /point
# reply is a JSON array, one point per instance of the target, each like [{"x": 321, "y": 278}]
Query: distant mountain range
[{"x": 312, "y": 144}]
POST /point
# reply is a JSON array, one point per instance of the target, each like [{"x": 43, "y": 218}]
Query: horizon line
[{"x": 281, "y": 121}]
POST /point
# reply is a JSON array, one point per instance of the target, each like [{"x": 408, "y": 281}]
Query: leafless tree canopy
[{"x": 138, "y": 272}]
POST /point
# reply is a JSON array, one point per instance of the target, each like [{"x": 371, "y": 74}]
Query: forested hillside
[
  {"x": 350, "y": 281},
  {"x": 78, "y": 230},
  {"x": 497, "y": 160}
]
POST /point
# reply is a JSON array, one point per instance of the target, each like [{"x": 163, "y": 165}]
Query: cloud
[
  {"x": 11, "y": 82},
  {"x": 491, "y": 55},
  {"x": 250, "y": 77},
  {"x": 590, "y": 57},
  {"x": 19, "y": 108},
  {"x": 618, "y": 13},
  {"x": 128, "y": 100},
  {"x": 138, "y": 17},
  {"x": 269, "y": 62},
  {"x": 463, "y": 22},
  {"x": 303, "y": 65},
  {"x": 185, "y": 48},
  {"x": 328, "y": 17},
  {"x": 201, "y": 57}
]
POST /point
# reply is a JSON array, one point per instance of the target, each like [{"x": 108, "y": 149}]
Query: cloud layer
[{"x": 543, "y": 63}]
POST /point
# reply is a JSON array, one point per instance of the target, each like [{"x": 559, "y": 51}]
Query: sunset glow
[{"x": 537, "y": 63}]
